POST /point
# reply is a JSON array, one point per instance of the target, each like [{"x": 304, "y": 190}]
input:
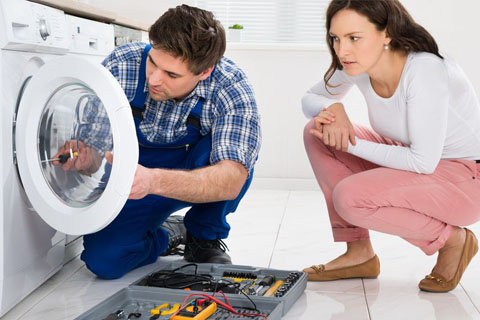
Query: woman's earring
[{"x": 386, "y": 47}]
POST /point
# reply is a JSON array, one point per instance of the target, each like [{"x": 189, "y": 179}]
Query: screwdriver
[
  {"x": 266, "y": 282},
  {"x": 63, "y": 157}
]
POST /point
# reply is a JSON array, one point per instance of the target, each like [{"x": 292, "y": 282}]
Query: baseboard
[{"x": 73, "y": 249}]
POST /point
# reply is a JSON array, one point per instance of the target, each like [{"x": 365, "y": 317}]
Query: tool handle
[
  {"x": 267, "y": 281},
  {"x": 273, "y": 288},
  {"x": 63, "y": 158}
]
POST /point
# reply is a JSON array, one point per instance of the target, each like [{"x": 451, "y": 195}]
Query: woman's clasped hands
[{"x": 333, "y": 127}]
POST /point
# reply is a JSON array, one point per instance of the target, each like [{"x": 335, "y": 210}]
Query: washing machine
[{"x": 51, "y": 99}]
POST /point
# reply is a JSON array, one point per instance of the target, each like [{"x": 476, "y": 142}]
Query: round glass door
[
  {"x": 74, "y": 136},
  {"x": 76, "y": 145}
]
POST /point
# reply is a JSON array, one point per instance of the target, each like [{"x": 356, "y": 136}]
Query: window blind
[{"x": 272, "y": 21}]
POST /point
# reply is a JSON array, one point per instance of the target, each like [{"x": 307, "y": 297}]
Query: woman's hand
[{"x": 333, "y": 127}]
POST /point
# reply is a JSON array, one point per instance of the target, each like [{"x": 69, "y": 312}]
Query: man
[{"x": 199, "y": 136}]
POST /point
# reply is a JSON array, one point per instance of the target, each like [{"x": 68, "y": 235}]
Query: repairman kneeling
[{"x": 199, "y": 136}]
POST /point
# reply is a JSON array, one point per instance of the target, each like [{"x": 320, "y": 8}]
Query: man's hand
[
  {"x": 86, "y": 161},
  {"x": 333, "y": 127},
  {"x": 142, "y": 182}
]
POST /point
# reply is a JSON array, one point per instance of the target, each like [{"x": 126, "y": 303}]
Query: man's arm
[{"x": 221, "y": 181}]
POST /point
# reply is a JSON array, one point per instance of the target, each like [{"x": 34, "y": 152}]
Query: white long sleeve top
[{"x": 434, "y": 112}]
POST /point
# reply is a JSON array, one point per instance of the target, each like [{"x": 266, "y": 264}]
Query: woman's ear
[{"x": 387, "y": 39}]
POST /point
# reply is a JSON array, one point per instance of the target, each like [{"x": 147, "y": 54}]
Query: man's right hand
[
  {"x": 86, "y": 161},
  {"x": 334, "y": 128}
]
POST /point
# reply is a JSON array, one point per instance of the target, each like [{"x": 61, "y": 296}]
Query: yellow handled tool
[
  {"x": 273, "y": 288},
  {"x": 165, "y": 309}
]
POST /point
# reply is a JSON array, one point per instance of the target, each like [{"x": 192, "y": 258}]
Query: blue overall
[{"x": 134, "y": 238}]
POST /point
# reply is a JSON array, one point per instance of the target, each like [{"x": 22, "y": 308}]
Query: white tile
[
  {"x": 327, "y": 305},
  {"x": 422, "y": 305},
  {"x": 254, "y": 227},
  {"x": 402, "y": 265},
  {"x": 395, "y": 294},
  {"x": 471, "y": 280},
  {"x": 305, "y": 238},
  {"x": 86, "y": 275},
  {"x": 72, "y": 298},
  {"x": 44, "y": 290}
]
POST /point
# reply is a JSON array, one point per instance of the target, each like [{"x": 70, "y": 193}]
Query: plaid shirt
[{"x": 229, "y": 109}]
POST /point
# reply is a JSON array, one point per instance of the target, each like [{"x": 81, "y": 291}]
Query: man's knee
[{"x": 104, "y": 260}]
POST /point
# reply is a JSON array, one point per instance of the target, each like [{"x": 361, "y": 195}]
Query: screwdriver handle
[
  {"x": 63, "y": 158},
  {"x": 273, "y": 288},
  {"x": 267, "y": 281}
]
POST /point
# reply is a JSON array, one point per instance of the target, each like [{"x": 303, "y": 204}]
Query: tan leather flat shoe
[
  {"x": 368, "y": 269},
  {"x": 435, "y": 282}
]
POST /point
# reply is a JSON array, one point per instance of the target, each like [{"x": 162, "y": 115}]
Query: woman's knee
[
  {"x": 346, "y": 201},
  {"x": 307, "y": 136},
  {"x": 313, "y": 145}
]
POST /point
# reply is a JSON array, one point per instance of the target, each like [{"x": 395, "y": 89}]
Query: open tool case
[{"x": 159, "y": 295}]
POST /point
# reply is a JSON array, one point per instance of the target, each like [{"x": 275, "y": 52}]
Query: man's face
[{"x": 169, "y": 77}]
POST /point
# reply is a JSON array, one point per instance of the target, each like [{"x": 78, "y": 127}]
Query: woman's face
[{"x": 357, "y": 42}]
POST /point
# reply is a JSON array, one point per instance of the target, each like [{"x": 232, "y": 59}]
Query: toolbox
[{"x": 181, "y": 291}]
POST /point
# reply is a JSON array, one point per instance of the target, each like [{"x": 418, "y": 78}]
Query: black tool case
[{"x": 145, "y": 294}]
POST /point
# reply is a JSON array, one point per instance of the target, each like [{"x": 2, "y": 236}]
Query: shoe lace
[
  {"x": 215, "y": 244},
  {"x": 173, "y": 245}
]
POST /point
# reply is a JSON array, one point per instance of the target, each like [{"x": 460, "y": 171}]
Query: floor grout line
[
  {"x": 279, "y": 228},
  {"x": 50, "y": 291},
  {"x": 366, "y": 300},
  {"x": 470, "y": 298}
]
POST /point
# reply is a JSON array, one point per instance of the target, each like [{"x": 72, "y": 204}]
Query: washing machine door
[{"x": 75, "y": 112}]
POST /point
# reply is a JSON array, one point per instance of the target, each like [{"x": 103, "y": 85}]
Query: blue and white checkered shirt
[{"x": 229, "y": 109}]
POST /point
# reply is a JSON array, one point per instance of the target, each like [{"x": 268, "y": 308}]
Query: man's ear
[{"x": 206, "y": 73}]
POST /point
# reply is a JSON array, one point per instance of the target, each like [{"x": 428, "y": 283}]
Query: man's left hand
[{"x": 142, "y": 183}]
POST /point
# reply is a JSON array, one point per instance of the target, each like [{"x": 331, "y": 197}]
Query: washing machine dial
[{"x": 44, "y": 28}]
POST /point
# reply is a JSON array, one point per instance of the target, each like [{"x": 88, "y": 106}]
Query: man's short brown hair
[{"x": 190, "y": 33}]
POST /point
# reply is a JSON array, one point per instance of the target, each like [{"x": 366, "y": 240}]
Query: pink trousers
[{"x": 420, "y": 208}]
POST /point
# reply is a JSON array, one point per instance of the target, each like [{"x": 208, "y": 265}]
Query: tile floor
[{"x": 293, "y": 230}]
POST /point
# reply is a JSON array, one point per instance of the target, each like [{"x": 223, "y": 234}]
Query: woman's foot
[
  {"x": 453, "y": 259},
  {"x": 359, "y": 261},
  {"x": 449, "y": 256},
  {"x": 357, "y": 253}
]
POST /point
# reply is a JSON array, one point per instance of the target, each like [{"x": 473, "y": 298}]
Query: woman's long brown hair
[{"x": 389, "y": 15}]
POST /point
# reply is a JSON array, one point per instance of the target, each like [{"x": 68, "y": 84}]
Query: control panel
[
  {"x": 28, "y": 26},
  {"x": 89, "y": 37}
]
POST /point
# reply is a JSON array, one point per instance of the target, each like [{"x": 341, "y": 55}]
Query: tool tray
[{"x": 146, "y": 294}]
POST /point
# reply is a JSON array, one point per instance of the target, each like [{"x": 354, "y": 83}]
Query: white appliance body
[
  {"x": 33, "y": 40},
  {"x": 30, "y": 250}
]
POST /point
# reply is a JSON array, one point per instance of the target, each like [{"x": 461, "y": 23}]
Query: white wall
[
  {"x": 280, "y": 76},
  {"x": 146, "y": 11}
]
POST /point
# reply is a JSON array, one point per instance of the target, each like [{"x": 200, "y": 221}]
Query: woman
[{"x": 415, "y": 175}]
